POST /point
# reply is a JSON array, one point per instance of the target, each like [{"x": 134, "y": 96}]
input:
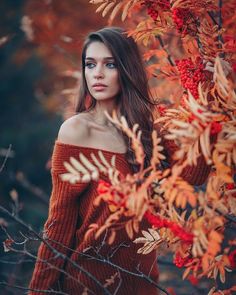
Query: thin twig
[
  {"x": 227, "y": 216},
  {"x": 57, "y": 253},
  {"x": 139, "y": 274},
  {"x": 34, "y": 290},
  {"x": 118, "y": 287},
  {"x": 102, "y": 259},
  {"x": 6, "y": 157},
  {"x": 220, "y": 15},
  {"x": 163, "y": 47},
  {"x": 212, "y": 18},
  {"x": 35, "y": 190},
  {"x": 219, "y": 24},
  {"x": 220, "y": 20},
  {"x": 52, "y": 266}
]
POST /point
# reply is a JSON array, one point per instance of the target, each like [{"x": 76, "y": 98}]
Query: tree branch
[
  {"x": 6, "y": 157},
  {"x": 57, "y": 253},
  {"x": 163, "y": 47},
  {"x": 102, "y": 259},
  {"x": 35, "y": 290}
]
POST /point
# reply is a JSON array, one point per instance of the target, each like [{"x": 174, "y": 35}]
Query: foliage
[{"x": 200, "y": 120}]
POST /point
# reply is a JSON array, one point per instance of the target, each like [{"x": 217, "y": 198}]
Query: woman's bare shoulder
[{"x": 74, "y": 130}]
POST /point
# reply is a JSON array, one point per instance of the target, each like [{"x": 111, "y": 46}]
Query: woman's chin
[{"x": 103, "y": 98}]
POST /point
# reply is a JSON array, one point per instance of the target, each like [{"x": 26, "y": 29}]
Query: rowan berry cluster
[
  {"x": 216, "y": 127},
  {"x": 180, "y": 261},
  {"x": 151, "y": 8},
  {"x": 232, "y": 259},
  {"x": 164, "y": 4},
  {"x": 191, "y": 74},
  {"x": 176, "y": 229},
  {"x": 185, "y": 21},
  {"x": 117, "y": 198},
  {"x": 154, "y": 5},
  {"x": 161, "y": 109}
]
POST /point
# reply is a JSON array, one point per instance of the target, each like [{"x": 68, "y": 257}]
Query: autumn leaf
[
  {"x": 151, "y": 240},
  {"x": 7, "y": 245}
]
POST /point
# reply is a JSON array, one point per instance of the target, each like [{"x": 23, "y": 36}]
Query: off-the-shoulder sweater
[{"x": 71, "y": 211}]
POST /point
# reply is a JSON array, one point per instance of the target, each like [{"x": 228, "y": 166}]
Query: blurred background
[{"x": 40, "y": 43}]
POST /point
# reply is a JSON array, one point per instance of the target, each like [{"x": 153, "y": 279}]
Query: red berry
[
  {"x": 216, "y": 127},
  {"x": 154, "y": 5},
  {"x": 230, "y": 186},
  {"x": 185, "y": 20},
  {"x": 232, "y": 259},
  {"x": 191, "y": 74}
]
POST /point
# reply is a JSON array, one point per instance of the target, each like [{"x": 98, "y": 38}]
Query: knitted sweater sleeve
[
  {"x": 60, "y": 225},
  {"x": 195, "y": 175}
]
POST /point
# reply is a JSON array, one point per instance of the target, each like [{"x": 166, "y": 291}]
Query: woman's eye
[
  {"x": 89, "y": 65},
  {"x": 111, "y": 65}
]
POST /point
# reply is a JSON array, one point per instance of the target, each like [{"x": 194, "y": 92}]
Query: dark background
[{"x": 33, "y": 77}]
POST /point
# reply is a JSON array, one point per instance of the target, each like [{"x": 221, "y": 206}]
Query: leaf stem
[{"x": 163, "y": 47}]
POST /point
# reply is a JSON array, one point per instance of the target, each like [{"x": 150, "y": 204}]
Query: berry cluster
[
  {"x": 151, "y": 8},
  {"x": 232, "y": 259},
  {"x": 103, "y": 187},
  {"x": 191, "y": 74},
  {"x": 116, "y": 198},
  {"x": 230, "y": 186},
  {"x": 193, "y": 280},
  {"x": 216, "y": 127},
  {"x": 180, "y": 261},
  {"x": 153, "y": 5},
  {"x": 185, "y": 20},
  {"x": 161, "y": 109},
  {"x": 164, "y": 4},
  {"x": 176, "y": 229}
]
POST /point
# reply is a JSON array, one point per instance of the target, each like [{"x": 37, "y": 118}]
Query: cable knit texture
[{"x": 71, "y": 211}]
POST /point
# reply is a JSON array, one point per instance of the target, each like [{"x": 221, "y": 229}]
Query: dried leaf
[
  {"x": 115, "y": 11},
  {"x": 7, "y": 245},
  {"x": 126, "y": 10},
  {"x": 108, "y": 8}
]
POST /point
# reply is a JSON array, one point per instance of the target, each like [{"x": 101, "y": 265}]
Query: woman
[{"x": 113, "y": 77}]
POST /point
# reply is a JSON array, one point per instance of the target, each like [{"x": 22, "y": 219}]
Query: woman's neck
[{"x": 98, "y": 113}]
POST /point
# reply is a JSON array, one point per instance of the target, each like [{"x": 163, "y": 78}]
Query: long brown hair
[{"x": 134, "y": 99}]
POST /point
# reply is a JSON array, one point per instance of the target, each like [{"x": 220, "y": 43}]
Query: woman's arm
[{"x": 60, "y": 225}]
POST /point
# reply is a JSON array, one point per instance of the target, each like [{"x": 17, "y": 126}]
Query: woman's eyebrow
[{"x": 104, "y": 58}]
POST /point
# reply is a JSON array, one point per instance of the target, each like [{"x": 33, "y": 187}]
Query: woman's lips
[{"x": 99, "y": 87}]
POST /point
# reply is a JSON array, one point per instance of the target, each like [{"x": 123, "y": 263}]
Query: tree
[{"x": 201, "y": 120}]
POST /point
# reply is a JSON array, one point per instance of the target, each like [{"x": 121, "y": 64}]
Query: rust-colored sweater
[{"x": 71, "y": 211}]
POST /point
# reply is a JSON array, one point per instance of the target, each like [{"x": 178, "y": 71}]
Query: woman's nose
[{"x": 99, "y": 73}]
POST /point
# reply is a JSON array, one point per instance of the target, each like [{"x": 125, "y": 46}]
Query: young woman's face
[{"x": 101, "y": 73}]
